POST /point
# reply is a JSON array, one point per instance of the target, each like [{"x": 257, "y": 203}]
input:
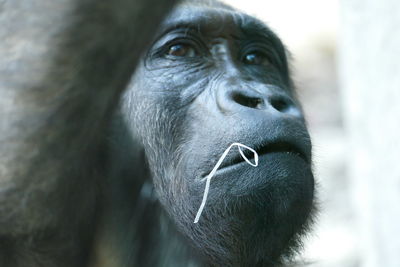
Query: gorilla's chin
[
  {"x": 252, "y": 214},
  {"x": 251, "y": 230}
]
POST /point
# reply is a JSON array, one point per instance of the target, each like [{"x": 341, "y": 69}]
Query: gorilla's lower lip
[{"x": 278, "y": 147}]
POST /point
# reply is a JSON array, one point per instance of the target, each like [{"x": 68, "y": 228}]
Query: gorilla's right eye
[{"x": 181, "y": 50}]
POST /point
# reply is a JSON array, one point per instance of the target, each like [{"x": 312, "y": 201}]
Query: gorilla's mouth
[{"x": 277, "y": 147}]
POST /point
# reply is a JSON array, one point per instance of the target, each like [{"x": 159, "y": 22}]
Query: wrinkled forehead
[{"x": 212, "y": 20}]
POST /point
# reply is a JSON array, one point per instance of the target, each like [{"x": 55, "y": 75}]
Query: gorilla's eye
[
  {"x": 182, "y": 50},
  {"x": 255, "y": 58}
]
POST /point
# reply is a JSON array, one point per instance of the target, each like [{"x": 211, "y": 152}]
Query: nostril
[
  {"x": 281, "y": 104},
  {"x": 247, "y": 101}
]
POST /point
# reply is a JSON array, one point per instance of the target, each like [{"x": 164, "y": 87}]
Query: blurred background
[{"x": 346, "y": 64}]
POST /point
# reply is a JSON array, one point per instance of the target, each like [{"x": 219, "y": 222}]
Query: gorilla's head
[{"x": 214, "y": 76}]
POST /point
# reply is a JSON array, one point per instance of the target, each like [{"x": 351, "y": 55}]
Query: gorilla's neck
[
  {"x": 140, "y": 234},
  {"x": 134, "y": 230},
  {"x": 161, "y": 244}
]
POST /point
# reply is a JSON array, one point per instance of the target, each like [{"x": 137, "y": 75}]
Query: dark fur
[{"x": 63, "y": 67}]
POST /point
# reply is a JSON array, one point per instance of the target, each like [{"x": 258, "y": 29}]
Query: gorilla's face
[{"x": 212, "y": 77}]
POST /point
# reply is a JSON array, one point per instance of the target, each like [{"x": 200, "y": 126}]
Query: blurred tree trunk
[{"x": 369, "y": 66}]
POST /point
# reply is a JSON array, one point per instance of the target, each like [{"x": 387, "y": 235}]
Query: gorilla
[{"x": 95, "y": 175}]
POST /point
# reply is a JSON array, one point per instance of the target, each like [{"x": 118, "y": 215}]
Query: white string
[{"x": 211, "y": 174}]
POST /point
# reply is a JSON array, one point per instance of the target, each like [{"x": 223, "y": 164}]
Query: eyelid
[
  {"x": 176, "y": 33},
  {"x": 179, "y": 37},
  {"x": 254, "y": 47}
]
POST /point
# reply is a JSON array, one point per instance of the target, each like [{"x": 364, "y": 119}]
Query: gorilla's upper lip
[{"x": 268, "y": 148}]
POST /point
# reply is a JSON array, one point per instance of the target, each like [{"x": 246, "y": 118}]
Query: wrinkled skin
[{"x": 215, "y": 76}]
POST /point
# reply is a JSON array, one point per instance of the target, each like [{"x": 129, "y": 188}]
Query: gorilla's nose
[{"x": 274, "y": 102}]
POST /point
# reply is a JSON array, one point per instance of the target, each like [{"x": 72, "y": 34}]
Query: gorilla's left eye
[
  {"x": 255, "y": 58},
  {"x": 182, "y": 50}
]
